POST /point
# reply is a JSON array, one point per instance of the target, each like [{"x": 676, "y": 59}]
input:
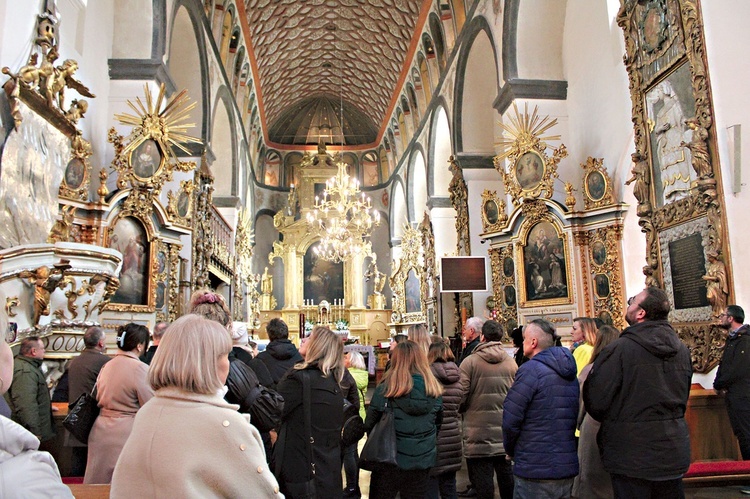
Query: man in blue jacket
[{"x": 539, "y": 417}]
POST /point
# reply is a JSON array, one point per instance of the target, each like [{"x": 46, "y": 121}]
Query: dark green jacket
[
  {"x": 28, "y": 398},
  {"x": 417, "y": 418}
]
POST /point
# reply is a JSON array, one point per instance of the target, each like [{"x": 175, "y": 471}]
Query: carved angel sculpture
[{"x": 45, "y": 281}]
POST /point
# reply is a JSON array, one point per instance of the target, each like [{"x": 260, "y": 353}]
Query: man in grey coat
[{"x": 486, "y": 376}]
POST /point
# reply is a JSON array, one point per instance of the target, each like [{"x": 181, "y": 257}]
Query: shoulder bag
[
  {"x": 380, "y": 448},
  {"x": 353, "y": 428},
  {"x": 263, "y": 404},
  {"x": 81, "y": 416}
]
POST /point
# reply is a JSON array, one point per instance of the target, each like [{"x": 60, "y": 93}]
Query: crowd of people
[{"x": 180, "y": 418}]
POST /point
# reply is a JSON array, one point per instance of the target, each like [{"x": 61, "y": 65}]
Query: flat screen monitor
[{"x": 461, "y": 274}]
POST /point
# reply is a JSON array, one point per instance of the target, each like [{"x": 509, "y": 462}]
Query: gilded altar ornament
[
  {"x": 148, "y": 160},
  {"x": 431, "y": 277},
  {"x": 717, "y": 285},
  {"x": 11, "y": 303},
  {"x": 494, "y": 216},
  {"x": 179, "y": 203},
  {"x": 531, "y": 172},
  {"x": 406, "y": 281},
  {"x": 75, "y": 184},
  {"x": 60, "y": 232},
  {"x": 570, "y": 198},
  {"x": 597, "y": 186},
  {"x": 459, "y": 197},
  {"x": 45, "y": 281},
  {"x": 102, "y": 191}
]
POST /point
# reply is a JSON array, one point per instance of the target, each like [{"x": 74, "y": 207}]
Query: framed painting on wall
[
  {"x": 545, "y": 266},
  {"x": 129, "y": 237}
]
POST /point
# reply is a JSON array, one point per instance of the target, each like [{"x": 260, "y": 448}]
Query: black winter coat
[
  {"x": 638, "y": 388},
  {"x": 279, "y": 356},
  {"x": 326, "y": 419},
  {"x": 449, "y": 436},
  {"x": 257, "y": 365},
  {"x": 734, "y": 370}
]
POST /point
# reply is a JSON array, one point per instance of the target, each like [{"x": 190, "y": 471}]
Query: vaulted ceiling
[{"x": 334, "y": 50}]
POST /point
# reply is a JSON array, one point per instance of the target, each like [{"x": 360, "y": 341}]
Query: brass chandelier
[{"x": 343, "y": 218}]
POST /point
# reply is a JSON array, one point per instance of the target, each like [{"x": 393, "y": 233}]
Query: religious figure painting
[
  {"x": 491, "y": 211},
  {"x": 509, "y": 295},
  {"x": 599, "y": 252},
  {"x": 183, "y": 204},
  {"x": 146, "y": 159},
  {"x": 509, "y": 266},
  {"x": 529, "y": 170},
  {"x": 129, "y": 238},
  {"x": 545, "y": 268},
  {"x": 324, "y": 280},
  {"x": 370, "y": 173},
  {"x": 161, "y": 293},
  {"x": 412, "y": 293},
  {"x": 74, "y": 173},
  {"x": 596, "y": 185},
  {"x": 669, "y": 104},
  {"x": 601, "y": 282}
]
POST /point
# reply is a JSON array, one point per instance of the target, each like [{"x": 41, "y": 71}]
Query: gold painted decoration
[
  {"x": 11, "y": 302},
  {"x": 494, "y": 216},
  {"x": 61, "y": 231},
  {"x": 459, "y": 197},
  {"x": 597, "y": 186},
  {"x": 77, "y": 176},
  {"x": 180, "y": 203},
  {"x": 408, "y": 301},
  {"x": 147, "y": 160},
  {"x": 45, "y": 281},
  {"x": 531, "y": 171},
  {"x": 605, "y": 264}
]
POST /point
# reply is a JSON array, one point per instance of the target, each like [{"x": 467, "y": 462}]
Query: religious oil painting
[
  {"x": 272, "y": 169},
  {"x": 509, "y": 296},
  {"x": 668, "y": 104},
  {"x": 596, "y": 185},
  {"x": 412, "y": 293},
  {"x": 183, "y": 204},
  {"x": 161, "y": 293},
  {"x": 509, "y": 266},
  {"x": 129, "y": 238},
  {"x": 529, "y": 170},
  {"x": 601, "y": 285},
  {"x": 74, "y": 173},
  {"x": 490, "y": 211},
  {"x": 146, "y": 159},
  {"x": 599, "y": 252},
  {"x": 544, "y": 264},
  {"x": 324, "y": 280}
]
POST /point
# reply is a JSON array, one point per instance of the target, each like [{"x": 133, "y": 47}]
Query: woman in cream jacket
[{"x": 187, "y": 441}]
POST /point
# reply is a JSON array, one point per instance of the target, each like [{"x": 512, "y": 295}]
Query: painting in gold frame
[
  {"x": 545, "y": 273},
  {"x": 130, "y": 236}
]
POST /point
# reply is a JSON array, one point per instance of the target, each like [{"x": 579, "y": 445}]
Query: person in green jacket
[
  {"x": 415, "y": 396},
  {"x": 355, "y": 363},
  {"x": 28, "y": 396}
]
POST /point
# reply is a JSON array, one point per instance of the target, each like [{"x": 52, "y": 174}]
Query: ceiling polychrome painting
[{"x": 347, "y": 50}]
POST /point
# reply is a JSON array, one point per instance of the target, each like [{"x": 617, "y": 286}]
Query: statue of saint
[
  {"x": 266, "y": 283},
  {"x": 717, "y": 288}
]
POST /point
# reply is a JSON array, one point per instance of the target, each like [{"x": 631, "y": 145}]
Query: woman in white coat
[{"x": 188, "y": 441}]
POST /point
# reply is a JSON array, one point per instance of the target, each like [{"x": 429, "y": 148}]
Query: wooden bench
[
  {"x": 81, "y": 491},
  {"x": 717, "y": 473}
]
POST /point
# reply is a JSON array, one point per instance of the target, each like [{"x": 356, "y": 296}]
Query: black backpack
[
  {"x": 263, "y": 404},
  {"x": 353, "y": 428}
]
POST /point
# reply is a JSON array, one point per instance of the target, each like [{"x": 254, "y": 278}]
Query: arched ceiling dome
[{"x": 317, "y": 119}]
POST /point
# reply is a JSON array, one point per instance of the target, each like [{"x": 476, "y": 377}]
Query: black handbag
[
  {"x": 265, "y": 411},
  {"x": 353, "y": 427},
  {"x": 380, "y": 448},
  {"x": 81, "y": 416}
]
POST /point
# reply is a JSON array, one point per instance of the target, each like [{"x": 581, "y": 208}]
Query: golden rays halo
[
  {"x": 531, "y": 172},
  {"x": 160, "y": 122}
]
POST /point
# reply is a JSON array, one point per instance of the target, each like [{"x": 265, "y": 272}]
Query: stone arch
[
  {"x": 440, "y": 151},
  {"x": 226, "y": 35},
  {"x": 525, "y": 54},
  {"x": 187, "y": 61},
  {"x": 424, "y": 73},
  {"x": 398, "y": 213},
  {"x": 414, "y": 105},
  {"x": 437, "y": 36},
  {"x": 224, "y": 145},
  {"x": 476, "y": 91},
  {"x": 417, "y": 184}
]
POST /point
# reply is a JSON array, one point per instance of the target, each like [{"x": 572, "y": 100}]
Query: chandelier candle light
[{"x": 343, "y": 217}]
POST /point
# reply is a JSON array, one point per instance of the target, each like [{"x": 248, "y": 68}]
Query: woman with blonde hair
[
  {"x": 418, "y": 334},
  {"x": 307, "y": 454},
  {"x": 584, "y": 333},
  {"x": 414, "y": 394},
  {"x": 188, "y": 420}
]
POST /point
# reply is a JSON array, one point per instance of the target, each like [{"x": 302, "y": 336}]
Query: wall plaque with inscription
[{"x": 688, "y": 266}]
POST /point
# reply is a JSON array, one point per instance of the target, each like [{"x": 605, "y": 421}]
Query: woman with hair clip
[
  {"x": 306, "y": 469},
  {"x": 187, "y": 421},
  {"x": 584, "y": 333},
  {"x": 121, "y": 390},
  {"x": 414, "y": 395}
]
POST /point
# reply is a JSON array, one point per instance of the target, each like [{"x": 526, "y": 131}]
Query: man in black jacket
[
  {"x": 280, "y": 354},
  {"x": 733, "y": 377},
  {"x": 638, "y": 388}
]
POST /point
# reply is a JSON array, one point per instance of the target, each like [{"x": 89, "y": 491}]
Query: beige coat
[
  {"x": 122, "y": 389},
  {"x": 486, "y": 376},
  {"x": 190, "y": 445}
]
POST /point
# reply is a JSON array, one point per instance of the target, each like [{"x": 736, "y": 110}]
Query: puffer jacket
[
  {"x": 539, "y": 420},
  {"x": 486, "y": 377},
  {"x": 417, "y": 418},
  {"x": 29, "y": 400},
  {"x": 449, "y": 437},
  {"x": 638, "y": 389},
  {"x": 279, "y": 356}
]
